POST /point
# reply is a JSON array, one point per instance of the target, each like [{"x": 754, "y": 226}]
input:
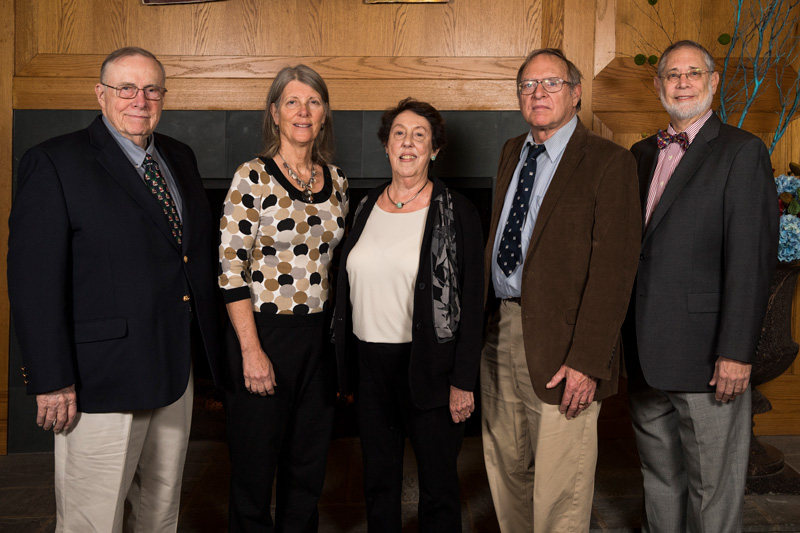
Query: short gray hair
[
  {"x": 686, "y": 43},
  {"x": 574, "y": 75},
  {"x": 129, "y": 51}
]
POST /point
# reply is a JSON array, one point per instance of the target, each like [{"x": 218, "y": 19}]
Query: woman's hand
[
  {"x": 259, "y": 376},
  {"x": 462, "y": 403}
]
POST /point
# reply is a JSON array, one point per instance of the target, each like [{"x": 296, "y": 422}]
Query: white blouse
[{"x": 382, "y": 270}]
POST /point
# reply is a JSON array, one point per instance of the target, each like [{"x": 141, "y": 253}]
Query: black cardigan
[{"x": 434, "y": 366}]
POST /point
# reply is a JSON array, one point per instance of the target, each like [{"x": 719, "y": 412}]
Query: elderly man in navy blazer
[
  {"x": 708, "y": 253},
  {"x": 111, "y": 275}
]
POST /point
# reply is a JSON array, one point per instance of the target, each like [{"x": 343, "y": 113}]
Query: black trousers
[
  {"x": 386, "y": 415},
  {"x": 287, "y": 433}
]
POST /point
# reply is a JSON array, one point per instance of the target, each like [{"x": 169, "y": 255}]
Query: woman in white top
[
  {"x": 282, "y": 218},
  {"x": 410, "y": 287}
]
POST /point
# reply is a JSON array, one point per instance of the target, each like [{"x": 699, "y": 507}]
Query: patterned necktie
[
  {"x": 509, "y": 255},
  {"x": 158, "y": 186},
  {"x": 664, "y": 139}
]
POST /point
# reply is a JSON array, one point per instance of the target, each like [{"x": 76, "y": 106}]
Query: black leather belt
[{"x": 513, "y": 300}]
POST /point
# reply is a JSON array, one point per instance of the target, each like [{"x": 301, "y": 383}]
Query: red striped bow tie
[{"x": 664, "y": 139}]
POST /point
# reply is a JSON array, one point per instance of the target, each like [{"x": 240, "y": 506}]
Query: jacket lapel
[
  {"x": 119, "y": 168},
  {"x": 573, "y": 154},
  {"x": 686, "y": 169}
]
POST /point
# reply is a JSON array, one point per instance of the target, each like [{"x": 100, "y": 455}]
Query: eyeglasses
[
  {"x": 692, "y": 75},
  {"x": 551, "y": 85},
  {"x": 129, "y": 92}
]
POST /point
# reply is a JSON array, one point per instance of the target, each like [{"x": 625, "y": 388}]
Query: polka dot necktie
[
  {"x": 509, "y": 255},
  {"x": 158, "y": 186}
]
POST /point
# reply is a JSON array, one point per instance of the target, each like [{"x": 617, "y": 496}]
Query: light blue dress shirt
[
  {"x": 136, "y": 156},
  {"x": 546, "y": 165}
]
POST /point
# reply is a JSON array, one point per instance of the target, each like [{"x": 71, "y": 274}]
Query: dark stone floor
[{"x": 27, "y": 503}]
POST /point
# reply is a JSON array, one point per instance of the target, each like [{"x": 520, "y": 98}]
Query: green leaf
[
  {"x": 793, "y": 208},
  {"x": 652, "y": 60},
  {"x": 652, "y": 2},
  {"x": 724, "y": 39},
  {"x": 639, "y": 59}
]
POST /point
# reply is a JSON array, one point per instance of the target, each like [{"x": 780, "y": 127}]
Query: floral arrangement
[{"x": 789, "y": 240}]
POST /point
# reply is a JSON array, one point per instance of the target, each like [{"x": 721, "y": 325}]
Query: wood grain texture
[
  {"x": 6, "y": 133},
  {"x": 329, "y": 67},
  {"x": 244, "y": 94},
  {"x": 579, "y": 19},
  {"x": 627, "y": 101}
]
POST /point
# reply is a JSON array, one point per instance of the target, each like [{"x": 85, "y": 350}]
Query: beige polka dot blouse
[{"x": 274, "y": 247}]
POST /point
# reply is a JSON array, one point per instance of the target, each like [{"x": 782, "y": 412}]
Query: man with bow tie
[{"x": 708, "y": 254}]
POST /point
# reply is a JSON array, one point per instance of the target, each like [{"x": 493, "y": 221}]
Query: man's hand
[
  {"x": 56, "y": 410},
  {"x": 731, "y": 378},
  {"x": 579, "y": 392},
  {"x": 462, "y": 403},
  {"x": 259, "y": 376}
]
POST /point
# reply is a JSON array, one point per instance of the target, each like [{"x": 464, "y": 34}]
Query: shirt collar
[
  {"x": 555, "y": 145},
  {"x": 694, "y": 128},
  {"x": 132, "y": 151}
]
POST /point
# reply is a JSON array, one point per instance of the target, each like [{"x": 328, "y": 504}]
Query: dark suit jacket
[
  {"x": 434, "y": 366},
  {"x": 707, "y": 259},
  {"x": 580, "y": 263},
  {"x": 98, "y": 285}
]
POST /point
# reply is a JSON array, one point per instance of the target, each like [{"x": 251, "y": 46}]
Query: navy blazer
[
  {"x": 706, "y": 261},
  {"x": 101, "y": 293},
  {"x": 434, "y": 366}
]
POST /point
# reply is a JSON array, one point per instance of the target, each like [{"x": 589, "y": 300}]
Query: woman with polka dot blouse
[{"x": 282, "y": 218}]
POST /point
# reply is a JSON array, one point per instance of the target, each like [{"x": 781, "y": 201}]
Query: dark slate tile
[
  {"x": 474, "y": 141},
  {"x": 28, "y": 525},
  {"x": 33, "y": 126},
  {"x": 23, "y": 433},
  {"x": 616, "y": 512},
  {"x": 618, "y": 482},
  {"x": 343, "y": 457},
  {"x": 788, "y": 444},
  {"x": 480, "y": 513},
  {"x": 243, "y": 139},
  {"x": 30, "y": 502},
  {"x": 25, "y": 470},
  {"x": 374, "y": 163},
  {"x": 779, "y": 508},
  {"x": 347, "y": 130},
  {"x": 204, "y": 131},
  {"x": 340, "y": 518}
]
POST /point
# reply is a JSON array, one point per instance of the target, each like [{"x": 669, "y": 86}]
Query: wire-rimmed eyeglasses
[
  {"x": 694, "y": 74},
  {"x": 129, "y": 92},
  {"x": 551, "y": 85}
]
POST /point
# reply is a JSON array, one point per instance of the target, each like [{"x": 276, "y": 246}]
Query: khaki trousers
[
  {"x": 123, "y": 471},
  {"x": 523, "y": 435}
]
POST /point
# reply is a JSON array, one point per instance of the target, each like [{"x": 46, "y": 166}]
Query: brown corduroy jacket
[{"x": 580, "y": 264}]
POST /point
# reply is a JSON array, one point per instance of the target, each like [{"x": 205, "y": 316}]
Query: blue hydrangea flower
[
  {"x": 788, "y": 184},
  {"x": 789, "y": 241}
]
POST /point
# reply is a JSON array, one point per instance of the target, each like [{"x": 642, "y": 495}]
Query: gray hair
[
  {"x": 686, "y": 43},
  {"x": 322, "y": 151},
  {"x": 129, "y": 51},
  {"x": 574, "y": 75}
]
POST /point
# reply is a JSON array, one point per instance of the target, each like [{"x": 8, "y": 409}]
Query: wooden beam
[
  {"x": 330, "y": 67},
  {"x": 249, "y": 94}
]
